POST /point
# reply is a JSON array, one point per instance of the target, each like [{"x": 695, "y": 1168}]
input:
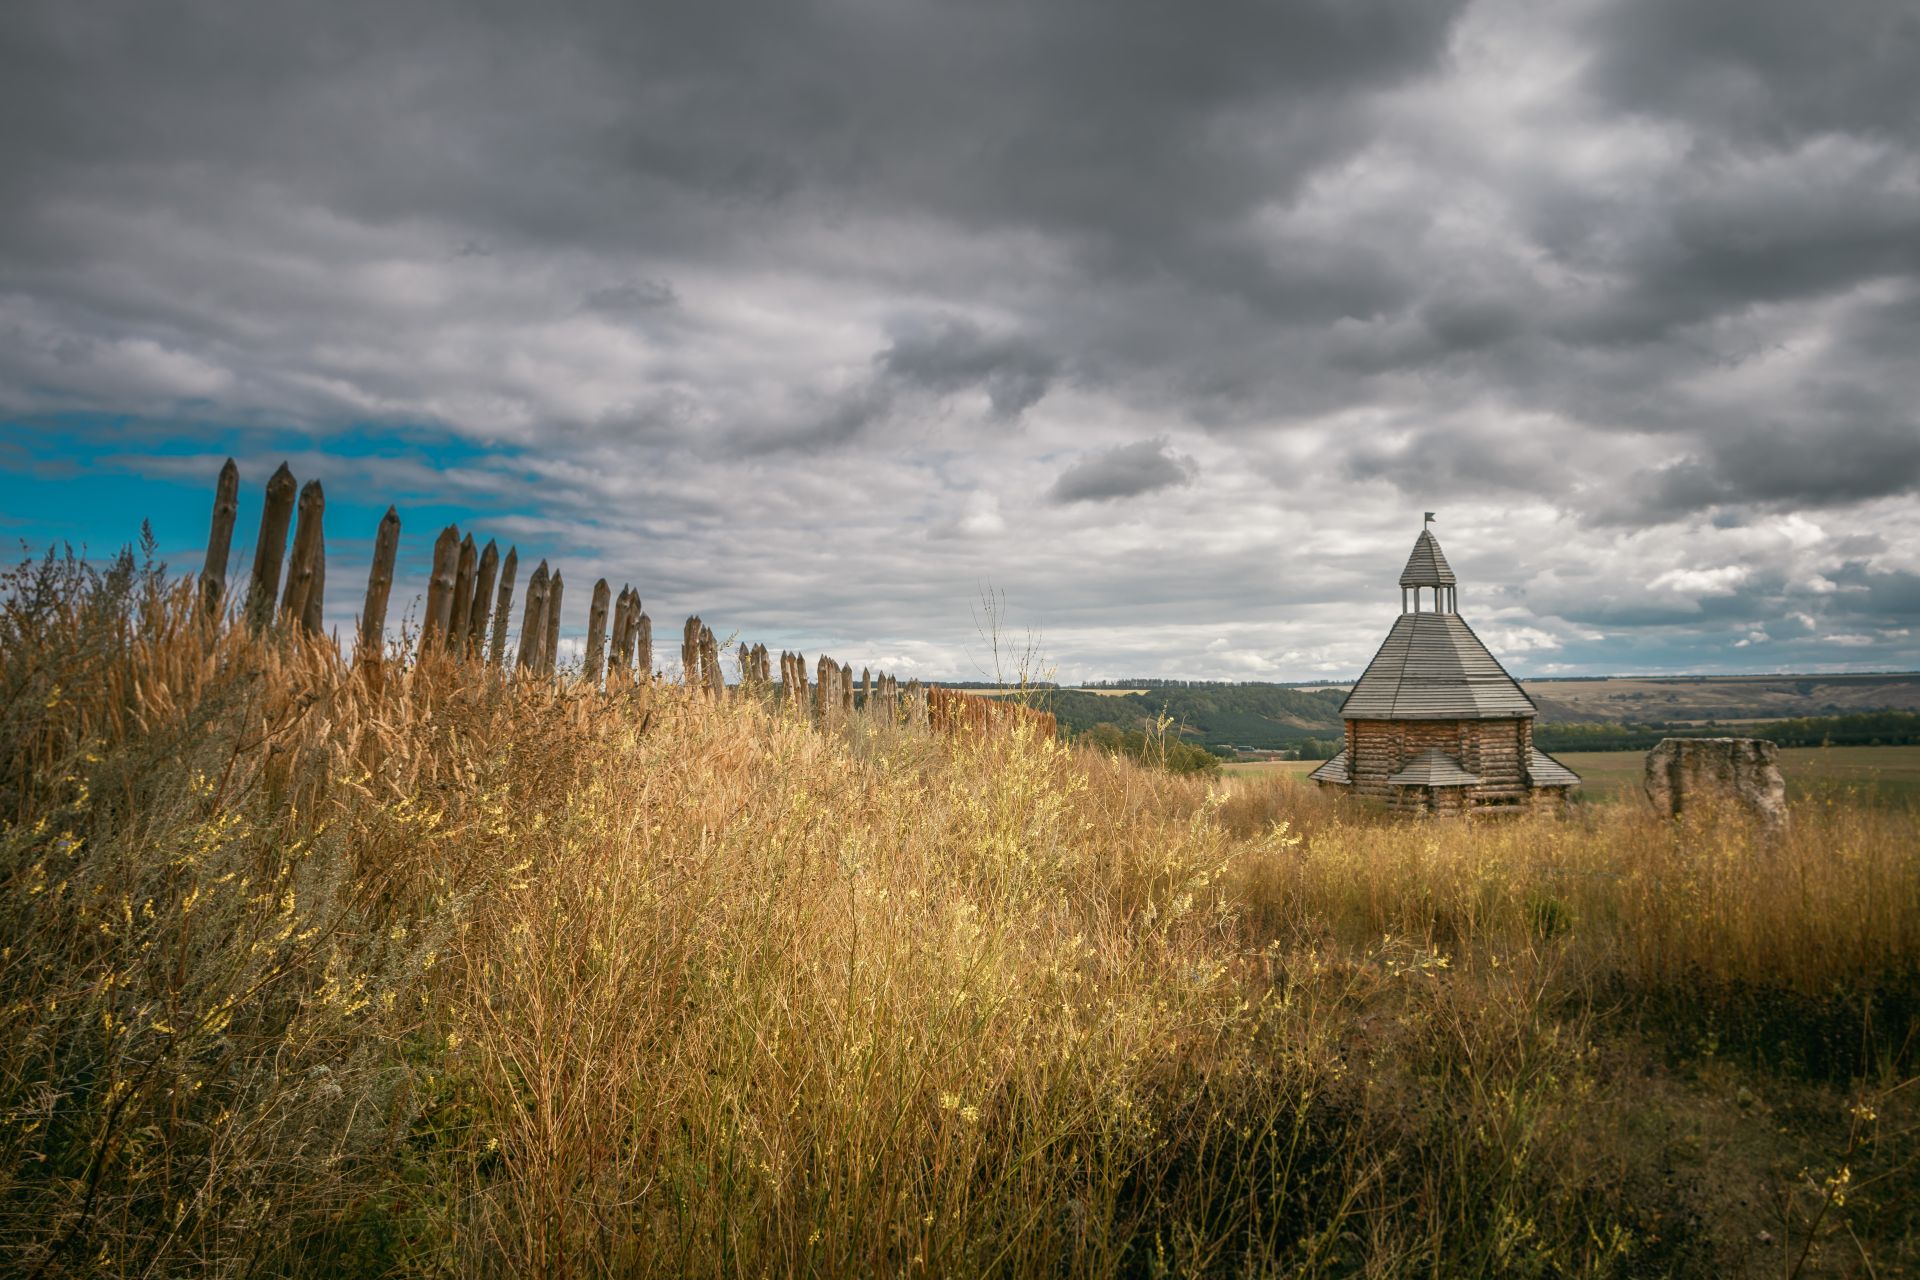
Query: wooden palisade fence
[{"x": 470, "y": 597}]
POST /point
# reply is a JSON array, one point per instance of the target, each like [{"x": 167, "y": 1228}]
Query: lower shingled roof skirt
[{"x": 1441, "y": 715}]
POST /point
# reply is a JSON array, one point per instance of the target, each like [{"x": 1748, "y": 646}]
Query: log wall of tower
[{"x": 1496, "y": 750}]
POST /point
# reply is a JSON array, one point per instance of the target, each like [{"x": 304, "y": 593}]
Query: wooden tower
[{"x": 1435, "y": 724}]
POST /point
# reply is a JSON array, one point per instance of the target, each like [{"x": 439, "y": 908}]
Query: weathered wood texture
[
  {"x": 213, "y": 571},
  {"x": 955, "y": 710},
  {"x": 464, "y": 572},
  {"x": 313, "y": 618},
  {"x": 446, "y": 563},
  {"x": 690, "y": 651},
  {"x": 710, "y": 672},
  {"x": 597, "y": 632},
  {"x": 550, "y": 652},
  {"x": 533, "y": 621},
  {"x": 643, "y": 657},
  {"x": 482, "y": 598},
  {"x": 1497, "y": 751},
  {"x": 306, "y": 564},
  {"x": 503, "y": 608},
  {"x": 270, "y": 548},
  {"x": 619, "y": 659},
  {"x": 373, "y": 613}
]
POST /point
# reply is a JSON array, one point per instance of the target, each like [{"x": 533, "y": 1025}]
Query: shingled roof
[
  {"x": 1432, "y": 667},
  {"x": 1433, "y": 768},
  {"x": 1544, "y": 771},
  {"x": 1334, "y": 770},
  {"x": 1426, "y": 567}
]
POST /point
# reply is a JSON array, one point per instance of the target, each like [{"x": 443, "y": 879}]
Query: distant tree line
[{"x": 1165, "y": 750}]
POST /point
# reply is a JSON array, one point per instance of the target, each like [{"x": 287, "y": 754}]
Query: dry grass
[{"x": 306, "y": 973}]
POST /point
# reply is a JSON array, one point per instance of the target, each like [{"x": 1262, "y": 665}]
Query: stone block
[{"x": 1684, "y": 773}]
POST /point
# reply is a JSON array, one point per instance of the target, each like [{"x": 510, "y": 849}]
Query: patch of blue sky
[{"x": 90, "y": 479}]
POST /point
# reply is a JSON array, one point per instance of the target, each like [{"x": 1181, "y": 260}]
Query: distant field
[
  {"x": 1886, "y": 775},
  {"x": 1882, "y": 774},
  {"x": 1253, "y": 768},
  {"x": 1684, "y": 699}
]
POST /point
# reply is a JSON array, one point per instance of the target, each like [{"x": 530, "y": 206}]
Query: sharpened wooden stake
[
  {"x": 373, "y": 615},
  {"x": 482, "y": 598},
  {"x": 690, "y": 651},
  {"x": 446, "y": 563},
  {"x": 309, "y": 546},
  {"x": 710, "y": 664},
  {"x": 617, "y": 662},
  {"x": 630, "y": 642},
  {"x": 226, "y": 507},
  {"x": 533, "y": 622},
  {"x": 597, "y": 631},
  {"x": 549, "y": 657},
  {"x": 503, "y": 609},
  {"x": 314, "y": 618},
  {"x": 270, "y": 548},
  {"x": 462, "y": 610},
  {"x": 643, "y": 661}
]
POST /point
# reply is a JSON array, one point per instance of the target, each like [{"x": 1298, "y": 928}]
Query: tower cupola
[{"x": 1427, "y": 570}]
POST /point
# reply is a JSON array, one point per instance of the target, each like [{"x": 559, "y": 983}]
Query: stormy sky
[{"x": 1166, "y": 321}]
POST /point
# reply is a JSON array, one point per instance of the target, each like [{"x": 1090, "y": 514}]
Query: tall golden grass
[{"x": 305, "y": 971}]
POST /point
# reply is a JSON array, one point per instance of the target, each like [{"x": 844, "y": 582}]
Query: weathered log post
[
  {"x": 617, "y": 638},
  {"x": 270, "y": 548},
  {"x": 308, "y": 547},
  {"x": 643, "y": 660},
  {"x": 846, "y": 692},
  {"x": 597, "y": 631},
  {"x": 226, "y": 508},
  {"x": 797, "y": 696},
  {"x": 823, "y": 696},
  {"x": 503, "y": 608},
  {"x": 550, "y": 655},
  {"x": 373, "y": 614},
  {"x": 304, "y": 560},
  {"x": 764, "y": 665},
  {"x": 482, "y": 598},
  {"x": 313, "y": 617},
  {"x": 630, "y": 643},
  {"x": 916, "y": 708},
  {"x": 710, "y": 664},
  {"x": 461, "y": 614},
  {"x": 446, "y": 563},
  {"x": 744, "y": 657},
  {"x": 690, "y": 651},
  {"x": 533, "y": 622}
]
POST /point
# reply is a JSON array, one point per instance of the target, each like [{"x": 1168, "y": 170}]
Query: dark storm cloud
[
  {"x": 632, "y": 299},
  {"x": 952, "y": 355},
  {"x": 1833, "y": 467},
  {"x": 1126, "y": 471},
  {"x": 831, "y": 278},
  {"x": 1768, "y": 70}
]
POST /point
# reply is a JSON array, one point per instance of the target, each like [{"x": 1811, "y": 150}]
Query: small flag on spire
[{"x": 1430, "y": 517}]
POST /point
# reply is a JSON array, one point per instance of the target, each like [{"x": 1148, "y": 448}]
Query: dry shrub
[{"x": 309, "y": 971}]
